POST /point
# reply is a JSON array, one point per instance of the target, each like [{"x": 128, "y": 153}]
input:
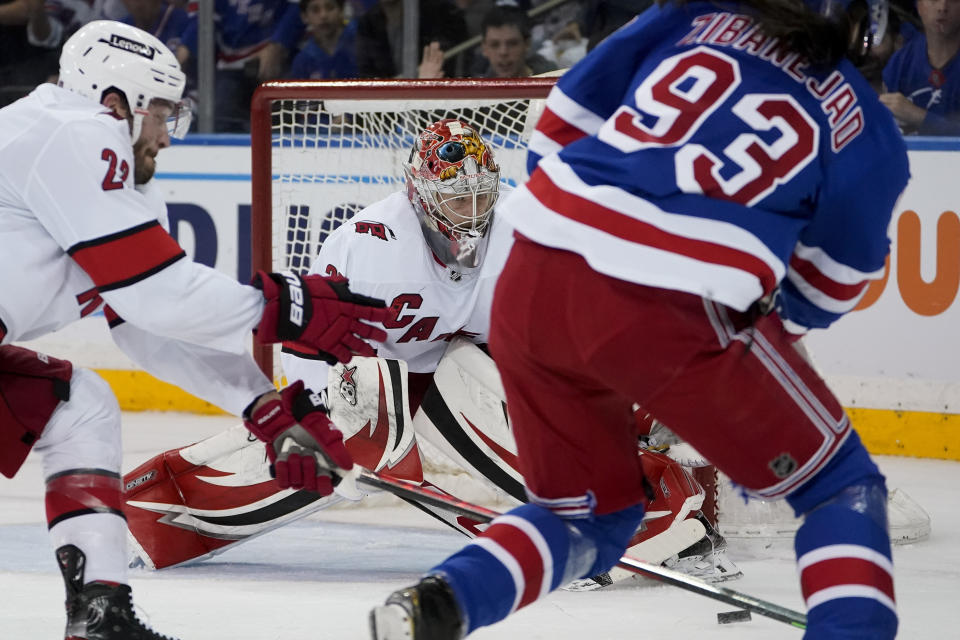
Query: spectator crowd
[{"x": 914, "y": 69}]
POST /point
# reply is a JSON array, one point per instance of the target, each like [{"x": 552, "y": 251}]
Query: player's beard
[{"x": 144, "y": 163}]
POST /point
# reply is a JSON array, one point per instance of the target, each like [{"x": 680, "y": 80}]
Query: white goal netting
[
  {"x": 739, "y": 518},
  {"x": 332, "y": 158}
]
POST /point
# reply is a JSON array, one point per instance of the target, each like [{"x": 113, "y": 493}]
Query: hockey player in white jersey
[
  {"x": 434, "y": 253},
  {"x": 80, "y": 228}
]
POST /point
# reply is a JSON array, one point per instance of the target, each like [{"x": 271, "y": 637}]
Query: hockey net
[
  {"x": 324, "y": 150},
  {"x": 740, "y": 518}
]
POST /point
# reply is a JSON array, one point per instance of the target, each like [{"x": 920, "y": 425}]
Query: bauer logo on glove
[
  {"x": 318, "y": 313},
  {"x": 296, "y": 298}
]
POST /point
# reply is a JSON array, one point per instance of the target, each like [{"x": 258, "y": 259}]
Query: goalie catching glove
[
  {"x": 318, "y": 312},
  {"x": 304, "y": 447}
]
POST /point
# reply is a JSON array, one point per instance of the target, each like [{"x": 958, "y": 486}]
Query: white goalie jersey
[{"x": 382, "y": 252}]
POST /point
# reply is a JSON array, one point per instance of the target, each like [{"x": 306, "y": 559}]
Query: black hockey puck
[{"x": 728, "y": 617}]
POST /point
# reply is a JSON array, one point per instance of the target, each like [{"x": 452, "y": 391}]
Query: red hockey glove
[
  {"x": 319, "y": 312},
  {"x": 303, "y": 445}
]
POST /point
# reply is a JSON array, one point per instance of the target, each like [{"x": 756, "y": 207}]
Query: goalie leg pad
[
  {"x": 368, "y": 401},
  {"x": 192, "y": 503},
  {"x": 676, "y": 495},
  {"x": 528, "y": 552}
]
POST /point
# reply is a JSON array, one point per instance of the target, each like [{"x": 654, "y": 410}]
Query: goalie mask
[
  {"x": 105, "y": 55},
  {"x": 453, "y": 184}
]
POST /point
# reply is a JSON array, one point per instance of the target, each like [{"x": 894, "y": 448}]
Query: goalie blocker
[{"x": 192, "y": 503}]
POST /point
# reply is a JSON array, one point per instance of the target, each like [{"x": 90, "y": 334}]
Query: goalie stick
[{"x": 694, "y": 585}]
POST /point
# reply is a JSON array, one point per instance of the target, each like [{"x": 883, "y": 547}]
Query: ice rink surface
[{"x": 317, "y": 578}]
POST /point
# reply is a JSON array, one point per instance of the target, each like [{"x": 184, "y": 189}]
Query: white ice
[{"x": 317, "y": 579}]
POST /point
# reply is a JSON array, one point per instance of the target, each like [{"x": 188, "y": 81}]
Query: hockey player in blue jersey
[
  {"x": 708, "y": 184},
  {"x": 255, "y": 39}
]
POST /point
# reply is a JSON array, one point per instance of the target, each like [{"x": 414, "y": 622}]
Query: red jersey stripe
[
  {"x": 587, "y": 212},
  {"x": 124, "y": 258},
  {"x": 558, "y": 129},
  {"x": 830, "y": 287},
  {"x": 845, "y": 571},
  {"x": 519, "y": 545}
]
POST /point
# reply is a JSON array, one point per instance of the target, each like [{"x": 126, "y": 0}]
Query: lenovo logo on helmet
[{"x": 132, "y": 46}]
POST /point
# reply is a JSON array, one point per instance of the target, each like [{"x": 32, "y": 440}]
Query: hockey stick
[{"x": 460, "y": 507}]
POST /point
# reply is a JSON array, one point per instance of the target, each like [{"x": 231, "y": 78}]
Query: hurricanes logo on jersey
[{"x": 348, "y": 387}]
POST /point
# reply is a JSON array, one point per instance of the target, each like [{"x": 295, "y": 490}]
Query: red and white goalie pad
[{"x": 192, "y": 503}]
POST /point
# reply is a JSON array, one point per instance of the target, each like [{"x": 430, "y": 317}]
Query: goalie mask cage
[{"x": 323, "y": 150}]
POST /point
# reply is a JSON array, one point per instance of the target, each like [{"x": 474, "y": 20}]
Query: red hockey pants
[{"x": 576, "y": 349}]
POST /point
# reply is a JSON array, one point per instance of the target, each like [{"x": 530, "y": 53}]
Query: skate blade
[{"x": 391, "y": 622}]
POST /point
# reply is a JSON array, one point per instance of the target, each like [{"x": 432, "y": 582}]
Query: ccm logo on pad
[{"x": 136, "y": 482}]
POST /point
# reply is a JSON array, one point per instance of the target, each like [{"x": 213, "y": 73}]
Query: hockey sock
[
  {"x": 528, "y": 552},
  {"x": 845, "y": 566},
  {"x": 83, "y": 509}
]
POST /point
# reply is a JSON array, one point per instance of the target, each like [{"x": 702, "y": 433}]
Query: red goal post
[{"x": 323, "y": 149}]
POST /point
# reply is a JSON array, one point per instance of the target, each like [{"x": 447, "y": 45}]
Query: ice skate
[
  {"x": 98, "y": 610},
  {"x": 706, "y": 559},
  {"x": 425, "y": 611}
]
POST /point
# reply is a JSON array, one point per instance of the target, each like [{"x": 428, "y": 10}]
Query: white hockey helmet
[{"x": 105, "y": 54}]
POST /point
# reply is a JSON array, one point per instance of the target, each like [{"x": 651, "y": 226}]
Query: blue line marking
[
  {"x": 214, "y": 140},
  {"x": 232, "y": 177},
  {"x": 932, "y": 143}
]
